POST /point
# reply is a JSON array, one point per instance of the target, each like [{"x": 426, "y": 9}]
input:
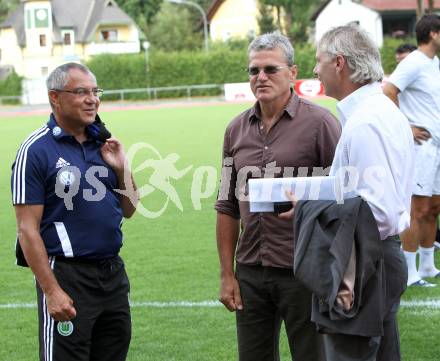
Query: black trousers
[
  {"x": 269, "y": 296},
  {"x": 386, "y": 348},
  {"x": 101, "y": 330}
]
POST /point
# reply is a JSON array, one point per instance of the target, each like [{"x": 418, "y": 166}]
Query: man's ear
[
  {"x": 53, "y": 97},
  {"x": 293, "y": 73},
  {"x": 340, "y": 63}
]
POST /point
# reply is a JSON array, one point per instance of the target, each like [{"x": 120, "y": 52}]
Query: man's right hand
[
  {"x": 60, "y": 305},
  {"x": 230, "y": 294},
  {"x": 420, "y": 134}
]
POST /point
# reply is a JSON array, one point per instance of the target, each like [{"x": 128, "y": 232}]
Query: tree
[
  {"x": 141, "y": 11},
  {"x": 146, "y": 8},
  {"x": 420, "y": 8},
  {"x": 205, "y": 4},
  {"x": 144, "y": 12},
  {"x": 173, "y": 30},
  {"x": 6, "y": 6},
  {"x": 431, "y": 6},
  {"x": 196, "y": 17},
  {"x": 265, "y": 19},
  {"x": 277, "y": 5},
  {"x": 296, "y": 16}
]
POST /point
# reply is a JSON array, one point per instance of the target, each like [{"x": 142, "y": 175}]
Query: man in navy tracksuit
[{"x": 71, "y": 187}]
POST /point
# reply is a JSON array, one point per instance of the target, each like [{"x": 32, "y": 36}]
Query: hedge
[
  {"x": 388, "y": 50},
  {"x": 169, "y": 69},
  {"x": 224, "y": 63},
  {"x": 11, "y": 86},
  {"x": 221, "y": 65}
]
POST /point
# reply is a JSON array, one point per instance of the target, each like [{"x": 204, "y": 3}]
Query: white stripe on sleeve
[{"x": 19, "y": 185}]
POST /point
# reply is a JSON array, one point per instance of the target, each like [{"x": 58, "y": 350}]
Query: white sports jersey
[{"x": 418, "y": 79}]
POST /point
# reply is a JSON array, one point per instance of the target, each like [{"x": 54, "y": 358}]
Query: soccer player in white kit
[{"x": 415, "y": 87}]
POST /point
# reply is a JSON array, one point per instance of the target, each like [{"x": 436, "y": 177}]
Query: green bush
[
  {"x": 167, "y": 69},
  {"x": 220, "y": 65},
  {"x": 11, "y": 86},
  {"x": 388, "y": 50},
  {"x": 184, "y": 68},
  {"x": 119, "y": 71},
  {"x": 305, "y": 60},
  {"x": 224, "y": 63}
]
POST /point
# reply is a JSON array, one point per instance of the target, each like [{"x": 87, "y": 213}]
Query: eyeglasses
[
  {"x": 82, "y": 92},
  {"x": 270, "y": 69}
]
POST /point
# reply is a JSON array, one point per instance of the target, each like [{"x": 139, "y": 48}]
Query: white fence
[
  {"x": 154, "y": 93},
  {"x": 10, "y": 99},
  {"x": 34, "y": 92}
]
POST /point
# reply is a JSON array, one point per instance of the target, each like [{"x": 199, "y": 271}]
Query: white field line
[
  {"x": 421, "y": 304},
  {"x": 190, "y": 304},
  {"x": 433, "y": 303}
]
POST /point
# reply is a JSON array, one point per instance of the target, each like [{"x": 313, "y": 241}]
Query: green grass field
[{"x": 171, "y": 258}]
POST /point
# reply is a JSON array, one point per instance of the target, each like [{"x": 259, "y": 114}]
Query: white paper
[{"x": 264, "y": 192}]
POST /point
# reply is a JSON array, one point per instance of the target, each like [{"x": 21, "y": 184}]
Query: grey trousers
[{"x": 340, "y": 347}]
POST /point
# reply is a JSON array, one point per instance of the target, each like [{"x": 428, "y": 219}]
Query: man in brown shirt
[{"x": 281, "y": 136}]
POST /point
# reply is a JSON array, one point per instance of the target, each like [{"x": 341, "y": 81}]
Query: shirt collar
[
  {"x": 349, "y": 104},
  {"x": 290, "y": 108},
  {"x": 57, "y": 132}
]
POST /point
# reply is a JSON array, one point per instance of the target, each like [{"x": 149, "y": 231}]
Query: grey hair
[
  {"x": 271, "y": 41},
  {"x": 360, "y": 52},
  {"x": 60, "y": 75}
]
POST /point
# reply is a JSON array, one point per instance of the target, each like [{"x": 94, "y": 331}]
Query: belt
[
  {"x": 394, "y": 237},
  {"x": 90, "y": 261}
]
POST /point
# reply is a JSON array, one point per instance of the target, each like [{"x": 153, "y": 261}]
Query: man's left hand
[
  {"x": 113, "y": 154},
  {"x": 289, "y": 214}
]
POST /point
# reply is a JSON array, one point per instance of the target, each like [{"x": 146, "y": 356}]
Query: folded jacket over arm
[{"x": 324, "y": 234}]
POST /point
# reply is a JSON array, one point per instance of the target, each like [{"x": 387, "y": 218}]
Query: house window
[
  {"x": 68, "y": 37},
  {"x": 42, "y": 40},
  {"x": 109, "y": 35},
  {"x": 67, "y": 40}
]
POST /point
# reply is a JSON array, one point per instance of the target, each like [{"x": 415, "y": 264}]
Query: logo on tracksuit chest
[{"x": 65, "y": 177}]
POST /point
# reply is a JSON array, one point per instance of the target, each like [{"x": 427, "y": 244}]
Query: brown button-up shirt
[{"x": 304, "y": 137}]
